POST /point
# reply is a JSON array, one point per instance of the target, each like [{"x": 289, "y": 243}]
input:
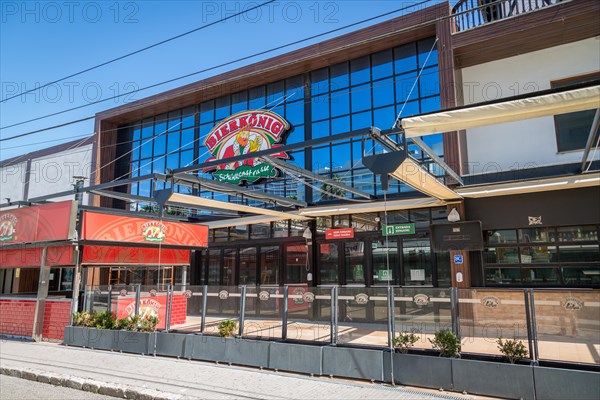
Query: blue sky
[{"x": 43, "y": 41}]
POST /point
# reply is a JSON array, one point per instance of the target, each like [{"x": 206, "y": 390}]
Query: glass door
[
  {"x": 269, "y": 265},
  {"x": 296, "y": 266},
  {"x": 416, "y": 262},
  {"x": 328, "y": 263},
  {"x": 354, "y": 261},
  {"x": 380, "y": 252}
]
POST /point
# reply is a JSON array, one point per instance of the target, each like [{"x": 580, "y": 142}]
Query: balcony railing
[{"x": 470, "y": 14}]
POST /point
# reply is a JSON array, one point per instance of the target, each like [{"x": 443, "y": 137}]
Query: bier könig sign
[{"x": 244, "y": 133}]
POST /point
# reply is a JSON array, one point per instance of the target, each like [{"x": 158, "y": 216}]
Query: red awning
[
  {"x": 119, "y": 255},
  {"x": 32, "y": 257}
]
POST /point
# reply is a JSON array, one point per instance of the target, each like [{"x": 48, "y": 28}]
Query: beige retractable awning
[{"x": 538, "y": 106}]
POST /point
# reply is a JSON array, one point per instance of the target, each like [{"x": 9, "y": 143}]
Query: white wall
[
  {"x": 49, "y": 174},
  {"x": 12, "y": 181},
  {"x": 531, "y": 142}
]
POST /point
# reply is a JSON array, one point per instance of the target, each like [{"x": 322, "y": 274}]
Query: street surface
[
  {"x": 193, "y": 379},
  {"x": 12, "y": 388}
]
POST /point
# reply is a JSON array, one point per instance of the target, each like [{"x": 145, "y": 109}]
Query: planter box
[
  {"x": 170, "y": 344},
  {"x": 102, "y": 339},
  {"x": 135, "y": 342},
  {"x": 560, "y": 384},
  {"x": 353, "y": 363},
  {"x": 230, "y": 350},
  {"x": 417, "y": 370},
  {"x": 493, "y": 379},
  {"x": 296, "y": 358},
  {"x": 76, "y": 336}
]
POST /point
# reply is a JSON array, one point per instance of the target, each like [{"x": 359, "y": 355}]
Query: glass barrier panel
[
  {"x": 309, "y": 314},
  {"x": 568, "y": 325},
  {"x": 264, "y": 312},
  {"x": 487, "y": 315},
  {"x": 154, "y": 301},
  {"x": 422, "y": 311},
  {"x": 222, "y": 303},
  {"x": 362, "y": 316},
  {"x": 186, "y": 314}
]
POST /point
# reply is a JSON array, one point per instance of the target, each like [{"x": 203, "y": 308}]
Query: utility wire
[
  {"x": 139, "y": 51},
  {"x": 206, "y": 70}
]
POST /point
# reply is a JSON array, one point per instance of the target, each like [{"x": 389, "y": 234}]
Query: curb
[{"x": 89, "y": 385}]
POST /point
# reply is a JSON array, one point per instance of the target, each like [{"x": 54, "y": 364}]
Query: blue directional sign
[{"x": 458, "y": 259}]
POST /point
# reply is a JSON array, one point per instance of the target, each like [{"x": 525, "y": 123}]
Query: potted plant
[
  {"x": 447, "y": 343},
  {"x": 227, "y": 328},
  {"x": 404, "y": 341},
  {"x": 513, "y": 350}
]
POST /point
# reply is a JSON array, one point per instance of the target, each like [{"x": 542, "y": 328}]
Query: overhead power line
[
  {"x": 205, "y": 70},
  {"x": 139, "y": 51}
]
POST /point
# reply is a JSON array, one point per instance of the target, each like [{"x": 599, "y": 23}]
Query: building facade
[{"x": 326, "y": 97}]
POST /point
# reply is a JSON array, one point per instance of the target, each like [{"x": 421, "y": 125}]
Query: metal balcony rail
[{"x": 473, "y": 13}]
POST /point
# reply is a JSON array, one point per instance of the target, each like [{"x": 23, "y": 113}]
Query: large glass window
[
  {"x": 328, "y": 263},
  {"x": 269, "y": 265},
  {"x": 354, "y": 260},
  {"x": 248, "y": 266},
  {"x": 416, "y": 260}
]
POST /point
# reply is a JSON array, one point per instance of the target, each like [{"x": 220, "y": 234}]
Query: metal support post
[
  {"x": 390, "y": 316},
  {"x": 534, "y": 326},
  {"x": 109, "y": 307},
  {"x": 455, "y": 305},
  {"x": 529, "y": 328},
  {"x": 284, "y": 317},
  {"x": 76, "y": 283},
  {"x": 204, "y": 304},
  {"x": 87, "y": 301},
  {"x": 169, "y": 307},
  {"x": 138, "y": 288},
  {"x": 42, "y": 295},
  {"x": 334, "y": 315},
  {"x": 242, "y": 310}
]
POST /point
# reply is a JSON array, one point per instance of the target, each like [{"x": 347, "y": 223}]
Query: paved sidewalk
[{"x": 182, "y": 379}]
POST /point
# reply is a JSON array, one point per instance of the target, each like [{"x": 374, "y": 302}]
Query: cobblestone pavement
[
  {"x": 193, "y": 379},
  {"x": 12, "y": 388}
]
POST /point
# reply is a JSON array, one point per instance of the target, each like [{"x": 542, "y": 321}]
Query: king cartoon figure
[{"x": 242, "y": 145}]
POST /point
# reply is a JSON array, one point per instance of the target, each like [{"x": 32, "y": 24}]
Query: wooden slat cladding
[
  {"x": 103, "y": 160},
  {"x": 552, "y": 26},
  {"x": 388, "y": 34}
]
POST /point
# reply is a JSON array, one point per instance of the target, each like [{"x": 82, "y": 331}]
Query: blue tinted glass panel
[
  {"x": 429, "y": 83},
  {"x": 430, "y": 104},
  {"x": 294, "y": 88},
  {"x": 187, "y": 139},
  {"x": 339, "y": 76},
  {"x": 158, "y": 165},
  {"x": 207, "y": 111},
  {"x": 297, "y": 158},
  {"x": 135, "y": 151},
  {"x": 435, "y": 142},
  {"x": 173, "y": 142},
  {"x": 340, "y": 103},
  {"x": 294, "y": 112},
  {"x": 223, "y": 109},
  {"x": 320, "y": 129},
  {"x": 360, "y": 71},
  {"x": 320, "y": 160},
  {"x": 203, "y": 155},
  {"x": 382, "y": 65},
  {"x": 404, "y": 85},
  {"x": 135, "y": 169},
  {"x": 148, "y": 128},
  {"x": 340, "y": 157},
  {"x": 279, "y": 110},
  {"x": 320, "y": 107},
  {"x": 145, "y": 167},
  {"x": 340, "y": 125},
  {"x": 257, "y": 98},
  {"x": 186, "y": 158},
  {"x": 174, "y": 120},
  {"x": 204, "y": 130},
  {"x": 407, "y": 109},
  {"x": 425, "y": 46},
  {"x": 146, "y": 149},
  {"x": 361, "y": 98},
  {"x": 173, "y": 161},
  {"x": 320, "y": 81},
  {"x": 361, "y": 120},
  {"x": 160, "y": 145},
  {"x": 383, "y": 93},
  {"x": 296, "y": 136},
  {"x": 357, "y": 154},
  {"x": 137, "y": 132},
  {"x": 134, "y": 188},
  {"x": 384, "y": 117},
  {"x": 239, "y": 102},
  {"x": 144, "y": 189},
  {"x": 188, "y": 118},
  {"x": 275, "y": 93},
  {"x": 405, "y": 58}
]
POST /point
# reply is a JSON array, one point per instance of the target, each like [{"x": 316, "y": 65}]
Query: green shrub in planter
[
  {"x": 446, "y": 343},
  {"x": 148, "y": 323},
  {"x": 84, "y": 319},
  {"x": 513, "y": 350},
  {"x": 227, "y": 328},
  {"x": 104, "y": 320},
  {"x": 404, "y": 341}
]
